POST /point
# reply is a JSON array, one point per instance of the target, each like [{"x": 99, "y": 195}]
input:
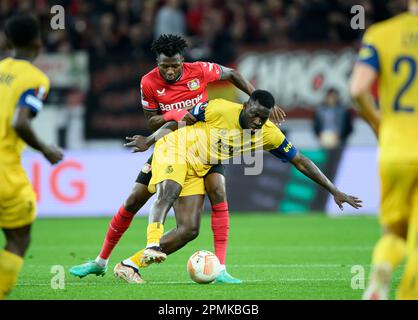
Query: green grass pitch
[{"x": 278, "y": 257}]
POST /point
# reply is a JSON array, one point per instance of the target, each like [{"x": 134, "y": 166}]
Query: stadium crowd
[{"x": 213, "y": 28}]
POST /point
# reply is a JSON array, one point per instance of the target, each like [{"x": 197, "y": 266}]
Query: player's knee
[
  {"x": 137, "y": 198},
  {"x": 167, "y": 197},
  {"x": 18, "y": 244},
  {"x": 190, "y": 233},
  {"x": 132, "y": 203},
  {"x": 217, "y": 195}
]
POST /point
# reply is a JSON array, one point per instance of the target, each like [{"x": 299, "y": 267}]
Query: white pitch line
[
  {"x": 157, "y": 282},
  {"x": 279, "y": 265}
]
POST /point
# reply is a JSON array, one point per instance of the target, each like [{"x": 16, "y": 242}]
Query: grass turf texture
[{"x": 278, "y": 257}]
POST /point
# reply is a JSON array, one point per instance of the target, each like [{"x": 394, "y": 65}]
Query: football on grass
[{"x": 203, "y": 266}]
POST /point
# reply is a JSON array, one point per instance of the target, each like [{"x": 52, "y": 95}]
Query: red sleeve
[
  {"x": 211, "y": 71},
  {"x": 147, "y": 97}
]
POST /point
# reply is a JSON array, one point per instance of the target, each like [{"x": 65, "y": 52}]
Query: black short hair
[
  {"x": 22, "y": 29},
  {"x": 169, "y": 44},
  {"x": 263, "y": 97}
]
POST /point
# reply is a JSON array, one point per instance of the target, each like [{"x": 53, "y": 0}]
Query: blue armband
[
  {"x": 369, "y": 55},
  {"x": 198, "y": 111},
  {"x": 285, "y": 152},
  {"x": 30, "y": 99}
]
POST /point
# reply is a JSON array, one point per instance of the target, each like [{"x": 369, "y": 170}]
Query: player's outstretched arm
[
  {"x": 309, "y": 169},
  {"x": 140, "y": 143},
  {"x": 277, "y": 115},
  {"x": 23, "y": 128}
]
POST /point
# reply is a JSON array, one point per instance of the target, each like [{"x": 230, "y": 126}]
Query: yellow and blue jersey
[
  {"x": 219, "y": 135},
  {"x": 391, "y": 48},
  {"x": 22, "y": 85}
]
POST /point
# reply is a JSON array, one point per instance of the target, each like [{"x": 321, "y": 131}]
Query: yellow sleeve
[
  {"x": 276, "y": 143},
  {"x": 369, "y": 52}
]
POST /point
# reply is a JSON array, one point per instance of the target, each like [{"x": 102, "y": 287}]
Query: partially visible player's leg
[
  {"x": 388, "y": 253},
  {"x": 11, "y": 258},
  {"x": 390, "y": 250},
  {"x": 408, "y": 288},
  {"x": 188, "y": 212},
  {"x": 16, "y": 219},
  {"x": 167, "y": 193},
  {"x": 216, "y": 189},
  {"x": 118, "y": 225}
]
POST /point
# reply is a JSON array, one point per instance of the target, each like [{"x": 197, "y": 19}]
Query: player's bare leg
[
  {"x": 118, "y": 225},
  {"x": 216, "y": 189},
  {"x": 188, "y": 211},
  {"x": 388, "y": 253},
  {"x": 167, "y": 193},
  {"x": 18, "y": 240}
]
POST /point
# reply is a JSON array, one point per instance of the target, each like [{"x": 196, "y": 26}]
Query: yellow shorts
[
  {"x": 169, "y": 162},
  {"x": 17, "y": 198},
  {"x": 399, "y": 195},
  {"x": 182, "y": 174}
]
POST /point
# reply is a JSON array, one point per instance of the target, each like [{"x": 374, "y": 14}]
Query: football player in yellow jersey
[
  {"x": 389, "y": 54},
  {"x": 23, "y": 88},
  {"x": 182, "y": 158}
]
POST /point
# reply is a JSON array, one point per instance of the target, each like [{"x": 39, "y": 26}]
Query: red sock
[
  {"x": 220, "y": 228},
  {"x": 120, "y": 222}
]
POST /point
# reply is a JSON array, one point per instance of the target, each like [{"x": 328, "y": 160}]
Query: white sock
[
  {"x": 102, "y": 262},
  {"x": 223, "y": 267},
  {"x": 130, "y": 263},
  {"x": 152, "y": 244}
]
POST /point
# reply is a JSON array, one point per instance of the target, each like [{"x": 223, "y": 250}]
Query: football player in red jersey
[{"x": 167, "y": 92}]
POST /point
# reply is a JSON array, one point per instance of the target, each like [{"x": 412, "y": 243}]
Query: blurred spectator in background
[
  {"x": 115, "y": 26},
  {"x": 170, "y": 19},
  {"x": 214, "y": 42},
  {"x": 332, "y": 121}
]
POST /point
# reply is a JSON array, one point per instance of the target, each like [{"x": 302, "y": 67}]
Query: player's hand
[
  {"x": 179, "y": 115},
  {"x": 189, "y": 119},
  {"x": 53, "y": 154},
  {"x": 340, "y": 198},
  {"x": 277, "y": 115},
  {"x": 137, "y": 143}
]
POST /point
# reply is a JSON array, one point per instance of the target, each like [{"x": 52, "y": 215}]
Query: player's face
[
  {"x": 255, "y": 115},
  {"x": 170, "y": 67}
]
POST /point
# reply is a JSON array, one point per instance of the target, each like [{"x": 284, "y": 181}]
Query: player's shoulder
[
  {"x": 31, "y": 76},
  {"x": 198, "y": 65},
  {"x": 3, "y": 62},
  {"x": 271, "y": 126},
  {"x": 150, "y": 77},
  {"x": 38, "y": 74},
  {"x": 272, "y": 132},
  {"x": 381, "y": 30},
  {"x": 192, "y": 67},
  {"x": 225, "y": 104}
]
